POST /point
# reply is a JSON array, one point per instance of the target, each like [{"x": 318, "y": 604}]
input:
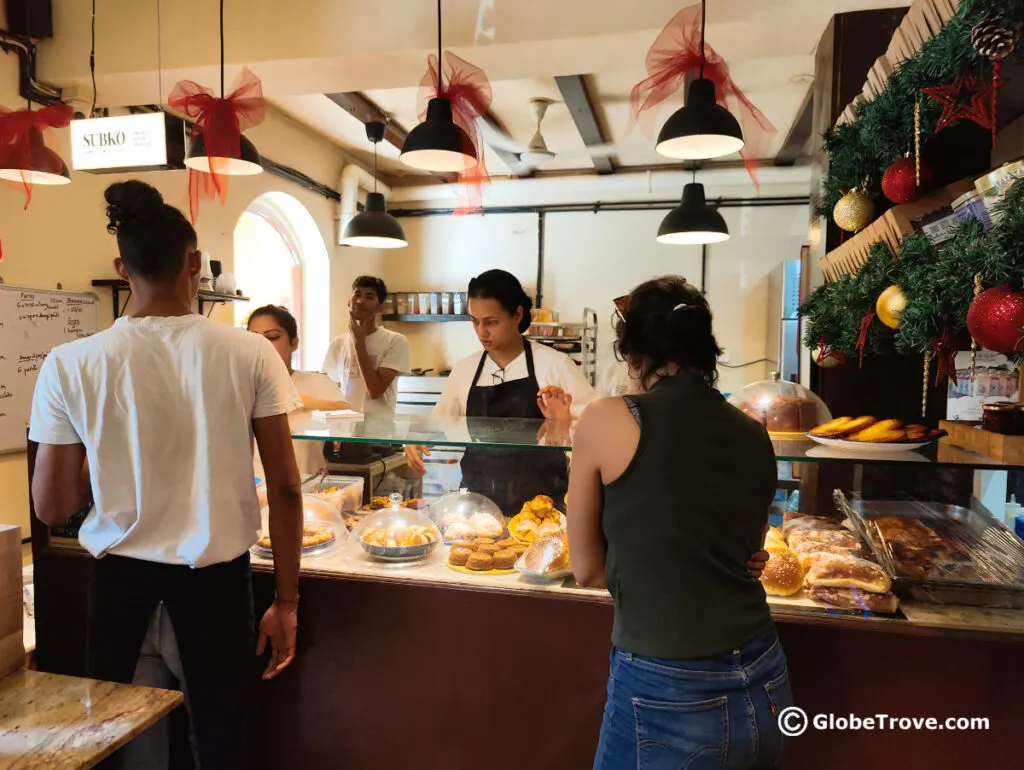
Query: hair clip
[{"x": 680, "y": 306}]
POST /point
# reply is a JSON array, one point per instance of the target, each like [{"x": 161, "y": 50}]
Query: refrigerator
[{"x": 783, "y": 323}]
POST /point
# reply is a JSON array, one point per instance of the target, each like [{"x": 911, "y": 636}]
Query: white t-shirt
[
  {"x": 550, "y": 366},
  {"x": 164, "y": 407},
  {"x": 615, "y": 381},
  {"x": 387, "y": 350},
  {"x": 309, "y": 454}
]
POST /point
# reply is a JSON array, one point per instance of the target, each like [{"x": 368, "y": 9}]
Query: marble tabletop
[{"x": 63, "y": 722}]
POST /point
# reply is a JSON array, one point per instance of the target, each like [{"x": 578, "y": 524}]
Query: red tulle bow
[
  {"x": 467, "y": 88},
  {"x": 21, "y": 141},
  {"x": 944, "y": 349},
  {"x": 676, "y": 52},
  {"x": 862, "y": 338},
  {"x": 221, "y": 122}
]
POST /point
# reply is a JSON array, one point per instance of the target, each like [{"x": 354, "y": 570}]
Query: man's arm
[
  {"x": 60, "y": 483},
  {"x": 377, "y": 380},
  {"x": 284, "y": 496}
]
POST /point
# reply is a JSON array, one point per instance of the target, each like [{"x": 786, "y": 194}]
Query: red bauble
[
  {"x": 996, "y": 320},
  {"x": 899, "y": 183}
]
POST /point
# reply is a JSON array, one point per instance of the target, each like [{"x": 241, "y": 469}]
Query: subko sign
[{"x": 123, "y": 141}]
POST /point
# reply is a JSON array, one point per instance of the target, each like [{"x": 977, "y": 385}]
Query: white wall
[
  {"x": 62, "y": 236},
  {"x": 589, "y": 259}
]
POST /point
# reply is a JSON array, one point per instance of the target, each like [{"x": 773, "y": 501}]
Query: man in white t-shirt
[
  {"x": 367, "y": 360},
  {"x": 154, "y": 419}
]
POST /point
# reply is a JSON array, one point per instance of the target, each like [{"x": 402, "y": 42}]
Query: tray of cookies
[
  {"x": 871, "y": 435},
  {"x": 485, "y": 556}
]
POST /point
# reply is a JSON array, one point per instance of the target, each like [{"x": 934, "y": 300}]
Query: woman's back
[{"x": 681, "y": 522}]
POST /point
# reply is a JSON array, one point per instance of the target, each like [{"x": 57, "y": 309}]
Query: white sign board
[{"x": 123, "y": 141}]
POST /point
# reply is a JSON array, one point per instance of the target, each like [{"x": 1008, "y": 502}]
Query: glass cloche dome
[
  {"x": 786, "y": 409},
  {"x": 395, "y": 534},
  {"x": 464, "y": 515},
  {"x": 322, "y": 528}
]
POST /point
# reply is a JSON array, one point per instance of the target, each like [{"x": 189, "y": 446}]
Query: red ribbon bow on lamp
[
  {"x": 22, "y": 145},
  {"x": 944, "y": 348},
  {"x": 467, "y": 88},
  {"x": 220, "y": 121},
  {"x": 677, "y": 52}
]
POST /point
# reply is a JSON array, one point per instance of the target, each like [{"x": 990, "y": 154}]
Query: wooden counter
[{"x": 62, "y": 722}]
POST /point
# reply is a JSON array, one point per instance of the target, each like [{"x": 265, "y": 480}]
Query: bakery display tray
[{"x": 993, "y": 577}]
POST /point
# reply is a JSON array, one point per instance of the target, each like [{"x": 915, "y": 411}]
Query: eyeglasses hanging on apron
[{"x": 511, "y": 477}]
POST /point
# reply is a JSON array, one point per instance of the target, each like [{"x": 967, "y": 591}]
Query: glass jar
[
  {"x": 1000, "y": 417},
  {"x": 403, "y": 304},
  {"x": 458, "y": 306},
  {"x": 423, "y": 304},
  {"x": 435, "y": 302},
  {"x": 413, "y": 306},
  {"x": 446, "y": 302}
]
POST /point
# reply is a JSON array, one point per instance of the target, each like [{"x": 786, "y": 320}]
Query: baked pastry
[
  {"x": 520, "y": 548},
  {"x": 524, "y": 529},
  {"x": 840, "y": 571},
  {"x": 906, "y": 535},
  {"x": 459, "y": 556},
  {"x": 312, "y": 536},
  {"x": 549, "y": 529},
  {"x": 490, "y": 548},
  {"x": 783, "y": 575},
  {"x": 399, "y": 536},
  {"x": 506, "y": 543},
  {"x": 883, "y": 432},
  {"x": 480, "y": 562},
  {"x": 809, "y": 523},
  {"x": 810, "y": 557},
  {"x": 773, "y": 539},
  {"x": 853, "y": 599},
  {"x": 379, "y": 503},
  {"x": 464, "y": 544},
  {"x": 843, "y": 426},
  {"x": 808, "y": 540},
  {"x": 483, "y": 541},
  {"x": 505, "y": 559},
  {"x": 485, "y": 525},
  {"x": 459, "y": 530},
  {"x": 546, "y": 555},
  {"x": 416, "y": 504}
]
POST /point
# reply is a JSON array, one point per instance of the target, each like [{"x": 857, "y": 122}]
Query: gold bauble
[
  {"x": 890, "y": 306},
  {"x": 824, "y": 358},
  {"x": 854, "y": 211}
]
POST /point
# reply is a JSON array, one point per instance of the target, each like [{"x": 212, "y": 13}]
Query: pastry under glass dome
[
  {"x": 322, "y": 529},
  {"x": 394, "y": 535},
  {"x": 465, "y": 515},
  {"x": 786, "y": 409}
]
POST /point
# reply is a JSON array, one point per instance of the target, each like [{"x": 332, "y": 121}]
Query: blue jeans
[{"x": 699, "y": 714}]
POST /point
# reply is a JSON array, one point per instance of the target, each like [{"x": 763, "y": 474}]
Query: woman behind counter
[
  {"x": 511, "y": 377},
  {"x": 316, "y": 390},
  {"x": 669, "y": 495}
]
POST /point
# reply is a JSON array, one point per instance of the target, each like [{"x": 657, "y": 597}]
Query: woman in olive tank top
[{"x": 669, "y": 495}]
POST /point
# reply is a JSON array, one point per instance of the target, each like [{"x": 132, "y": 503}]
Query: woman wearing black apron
[{"x": 511, "y": 378}]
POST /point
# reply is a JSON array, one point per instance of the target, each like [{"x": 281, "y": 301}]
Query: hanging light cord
[
  {"x": 92, "y": 61},
  {"x": 438, "y": 47},
  {"x": 159, "y": 58},
  {"x": 221, "y": 49},
  {"x": 703, "y": 26}
]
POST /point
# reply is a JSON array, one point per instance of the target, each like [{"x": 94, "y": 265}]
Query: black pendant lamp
[
  {"x": 374, "y": 227},
  {"x": 702, "y": 128},
  {"x": 438, "y": 144},
  {"x": 196, "y": 158},
  {"x": 693, "y": 222}
]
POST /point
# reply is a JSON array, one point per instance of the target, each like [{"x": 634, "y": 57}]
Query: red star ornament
[{"x": 977, "y": 110}]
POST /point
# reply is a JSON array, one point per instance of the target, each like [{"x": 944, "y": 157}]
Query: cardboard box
[{"x": 12, "y": 646}]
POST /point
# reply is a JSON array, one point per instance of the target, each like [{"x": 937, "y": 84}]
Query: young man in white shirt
[
  {"x": 153, "y": 419},
  {"x": 367, "y": 360}
]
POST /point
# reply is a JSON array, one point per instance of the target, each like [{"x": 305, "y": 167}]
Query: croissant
[{"x": 886, "y": 431}]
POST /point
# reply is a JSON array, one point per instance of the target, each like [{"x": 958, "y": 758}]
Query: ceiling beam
[
  {"x": 581, "y": 107},
  {"x": 365, "y": 111},
  {"x": 794, "y": 150}
]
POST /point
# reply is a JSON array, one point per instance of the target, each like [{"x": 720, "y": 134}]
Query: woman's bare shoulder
[{"x": 605, "y": 413}]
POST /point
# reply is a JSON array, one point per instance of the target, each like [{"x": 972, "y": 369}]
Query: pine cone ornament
[{"x": 994, "y": 37}]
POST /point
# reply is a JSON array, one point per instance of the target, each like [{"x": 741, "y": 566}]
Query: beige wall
[
  {"x": 62, "y": 236},
  {"x": 589, "y": 259}
]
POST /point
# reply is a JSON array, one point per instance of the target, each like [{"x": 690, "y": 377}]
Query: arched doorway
[{"x": 281, "y": 259}]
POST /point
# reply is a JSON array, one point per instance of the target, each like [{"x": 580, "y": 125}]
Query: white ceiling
[{"x": 770, "y": 51}]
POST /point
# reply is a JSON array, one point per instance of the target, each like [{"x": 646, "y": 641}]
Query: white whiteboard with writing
[{"x": 32, "y": 323}]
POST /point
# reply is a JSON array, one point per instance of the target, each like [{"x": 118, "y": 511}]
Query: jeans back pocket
[{"x": 681, "y": 735}]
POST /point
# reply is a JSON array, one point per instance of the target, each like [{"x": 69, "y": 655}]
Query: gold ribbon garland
[
  {"x": 924, "y": 387},
  {"x": 917, "y": 140},
  {"x": 974, "y": 342}
]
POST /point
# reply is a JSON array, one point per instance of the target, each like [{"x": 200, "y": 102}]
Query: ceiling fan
[{"x": 536, "y": 152}]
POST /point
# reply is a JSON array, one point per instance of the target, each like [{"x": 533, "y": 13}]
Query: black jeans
[{"x": 212, "y": 614}]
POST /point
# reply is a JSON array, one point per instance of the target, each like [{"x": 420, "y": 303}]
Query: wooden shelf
[
  {"x": 425, "y": 318},
  {"x": 203, "y": 296}
]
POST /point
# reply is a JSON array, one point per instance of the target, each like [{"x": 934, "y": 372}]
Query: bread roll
[
  {"x": 782, "y": 575},
  {"x": 773, "y": 539},
  {"x": 809, "y": 540},
  {"x": 853, "y": 599},
  {"x": 839, "y": 571},
  {"x": 805, "y": 523}
]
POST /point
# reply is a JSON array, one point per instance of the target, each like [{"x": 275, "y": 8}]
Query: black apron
[{"x": 510, "y": 477}]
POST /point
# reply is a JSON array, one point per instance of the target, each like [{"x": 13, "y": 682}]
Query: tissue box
[{"x": 12, "y": 647}]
